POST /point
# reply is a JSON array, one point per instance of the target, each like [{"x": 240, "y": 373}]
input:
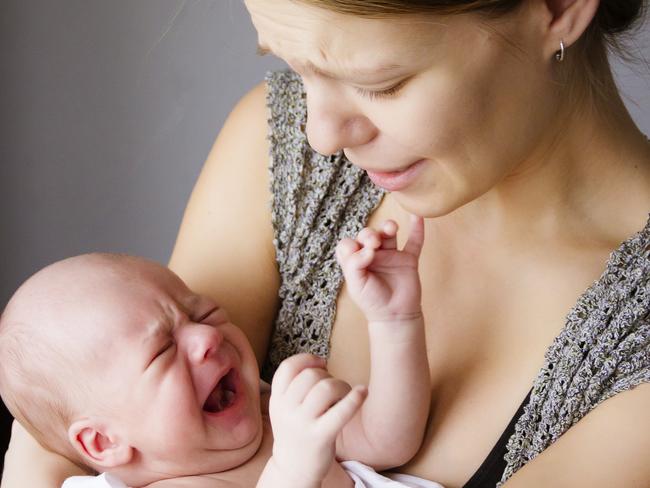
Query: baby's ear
[{"x": 99, "y": 443}]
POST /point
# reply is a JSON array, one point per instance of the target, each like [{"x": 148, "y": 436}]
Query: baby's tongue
[{"x": 219, "y": 399}]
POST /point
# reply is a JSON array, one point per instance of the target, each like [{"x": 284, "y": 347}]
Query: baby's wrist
[
  {"x": 292, "y": 477},
  {"x": 402, "y": 325},
  {"x": 404, "y": 319}
]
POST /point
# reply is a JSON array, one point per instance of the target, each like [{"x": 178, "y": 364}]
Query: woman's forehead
[{"x": 308, "y": 37}]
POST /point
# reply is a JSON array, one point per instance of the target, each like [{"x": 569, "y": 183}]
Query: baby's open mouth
[{"x": 223, "y": 395}]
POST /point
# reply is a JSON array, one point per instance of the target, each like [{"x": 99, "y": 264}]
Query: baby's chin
[
  {"x": 248, "y": 435},
  {"x": 203, "y": 462},
  {"x": 229, "y": 460}
]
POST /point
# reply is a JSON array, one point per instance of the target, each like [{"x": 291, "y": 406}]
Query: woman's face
[{"x": 438, "y": 110}]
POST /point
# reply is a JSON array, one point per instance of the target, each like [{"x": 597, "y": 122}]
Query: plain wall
[{"x": 108, "y": 109}]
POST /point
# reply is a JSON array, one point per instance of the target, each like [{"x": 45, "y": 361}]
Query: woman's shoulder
[
  {"x": 603, "y": 350},
  {"x": 224, "y": 247}
]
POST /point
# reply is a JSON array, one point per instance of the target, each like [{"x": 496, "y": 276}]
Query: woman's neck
[{"x": 588, "y": 176}]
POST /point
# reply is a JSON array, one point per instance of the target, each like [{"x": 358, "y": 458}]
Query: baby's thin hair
[
  {"x": 43, "y": 363},
  {"x": 35, "y": 384}
]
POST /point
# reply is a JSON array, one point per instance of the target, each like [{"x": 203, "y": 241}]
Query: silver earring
[{"x": 559, "y": 55}]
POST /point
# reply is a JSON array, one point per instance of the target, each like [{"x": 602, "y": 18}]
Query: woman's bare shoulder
[
  {"x": 608, "y": 447},
  {"x": 224, "y": 248}
]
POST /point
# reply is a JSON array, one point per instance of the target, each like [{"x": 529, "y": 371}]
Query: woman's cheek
[{"x": 437, "y": 124}]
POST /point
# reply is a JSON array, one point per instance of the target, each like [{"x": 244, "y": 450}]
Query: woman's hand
[{"x": 383, "y": 280}]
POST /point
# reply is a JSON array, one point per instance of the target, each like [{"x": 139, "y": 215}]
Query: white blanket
[
  {"x": 104, "y": 480},
  {"x": 366, "y": 477},
  {"x": 362, "y": 475}
]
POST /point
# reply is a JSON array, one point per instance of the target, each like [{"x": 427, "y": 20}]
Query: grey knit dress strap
[
  {"x": 604, "y": 349},
  {"x": 317, "y": 200}
]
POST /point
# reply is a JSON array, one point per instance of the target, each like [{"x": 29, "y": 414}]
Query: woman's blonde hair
[{"x": 589, "y": 71}]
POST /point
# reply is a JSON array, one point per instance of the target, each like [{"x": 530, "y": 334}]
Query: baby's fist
[{"x": 383, "y": 280}]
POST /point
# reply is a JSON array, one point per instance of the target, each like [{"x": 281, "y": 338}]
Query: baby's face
[{"x": 180, "y": 379}]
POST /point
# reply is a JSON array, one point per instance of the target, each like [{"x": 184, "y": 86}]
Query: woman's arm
[
  {"x": 225, "y": 247},
  {"x": 609, "y": 447},
  {"x": 27, "y": 463}
]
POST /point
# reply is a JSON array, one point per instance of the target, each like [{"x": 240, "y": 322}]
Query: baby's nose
[{"x": 202, "y": 342}]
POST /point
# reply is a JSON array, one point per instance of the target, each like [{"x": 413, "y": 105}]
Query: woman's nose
[
  {"x": 200, "y": 341},
  {"x": 333, "y": 124}
]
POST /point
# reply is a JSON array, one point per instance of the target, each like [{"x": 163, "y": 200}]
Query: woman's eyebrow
[
  {"x": 353, "y": 73},
  {"x": 349, "y": 73}
]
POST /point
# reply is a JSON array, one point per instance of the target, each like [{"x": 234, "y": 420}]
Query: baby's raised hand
[
  {"x": 308, "y": 409},
  {"x": 383, "y": 280}
]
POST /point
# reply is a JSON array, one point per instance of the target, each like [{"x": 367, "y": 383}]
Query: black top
[{"x": 490, "y": 472}]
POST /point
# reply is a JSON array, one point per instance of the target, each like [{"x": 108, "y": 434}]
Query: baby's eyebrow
[{"x": 155, "y": 330}]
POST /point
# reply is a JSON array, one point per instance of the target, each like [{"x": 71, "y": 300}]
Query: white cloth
[
  {"x": 104, "y": 480},
  {"x": 362, "y": 475},
  {"x": 366, "y": 477}
]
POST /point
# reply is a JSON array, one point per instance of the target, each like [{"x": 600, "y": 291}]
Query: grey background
[{"x": 108, "y": 109}]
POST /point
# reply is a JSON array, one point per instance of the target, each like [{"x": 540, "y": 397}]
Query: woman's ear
[
  {"x": 569, "y": 20},
  {"x": 99, "y": 443}
]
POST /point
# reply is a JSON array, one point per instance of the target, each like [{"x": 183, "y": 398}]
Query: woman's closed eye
[{"x": 385, "y": 93}]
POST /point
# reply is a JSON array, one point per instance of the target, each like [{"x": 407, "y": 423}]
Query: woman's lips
[{"x": 396, "y": 180}]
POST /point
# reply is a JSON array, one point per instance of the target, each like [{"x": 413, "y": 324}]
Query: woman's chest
[{"x": 489, "y": 320}]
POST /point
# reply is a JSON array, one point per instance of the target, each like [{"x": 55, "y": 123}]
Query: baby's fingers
[
  {"x": 416, "y": 236},
  {"x": 354, "y": 259},
  {"x": 346, "y": 248},
  {"x": 304, "y": 383},
  {"x": 389, "y": 235},
  {"x": 326, "y": 393},
  {"x": 369, "y": 238},
  {"x": 292, "y": 367},
  {"x": 342, "y": 412}
]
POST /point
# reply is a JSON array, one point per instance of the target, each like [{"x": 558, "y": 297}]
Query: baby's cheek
[{"x": 174, "y": 433}]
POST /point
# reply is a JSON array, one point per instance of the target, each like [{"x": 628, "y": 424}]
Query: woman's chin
[{"x": 423, "y": 205}]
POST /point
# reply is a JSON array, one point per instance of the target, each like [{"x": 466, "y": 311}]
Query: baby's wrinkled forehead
[{"x": 89, "y": 298}]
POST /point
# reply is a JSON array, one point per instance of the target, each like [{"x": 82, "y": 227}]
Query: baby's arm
[
  {"x": 384, "y": 282},
  {"x": 308, "y": 409}
]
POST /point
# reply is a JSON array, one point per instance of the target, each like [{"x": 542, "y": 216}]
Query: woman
[{"x": 499, "y": 121}]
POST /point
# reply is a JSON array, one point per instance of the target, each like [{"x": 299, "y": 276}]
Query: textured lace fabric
[
  {"x": 317, "y": 200},
  {"x": 603, "y": 349}
]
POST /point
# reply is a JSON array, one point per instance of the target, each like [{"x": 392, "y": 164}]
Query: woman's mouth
[
  {"x": 396, "y": 180},
  {"x": 223, "y": 395}
]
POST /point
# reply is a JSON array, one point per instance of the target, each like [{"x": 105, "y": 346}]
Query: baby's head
[{"x": 115, "y": 363}]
